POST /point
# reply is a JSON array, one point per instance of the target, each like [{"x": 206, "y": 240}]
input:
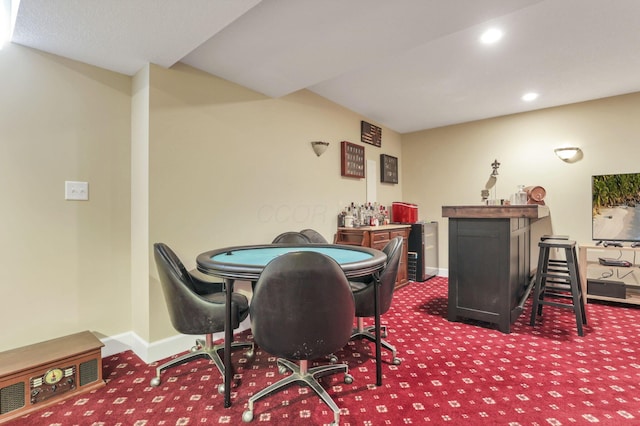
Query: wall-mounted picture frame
[
  {"x": 351, "y": 160},
  {"x": 388, "y": 169},
  {"x": 370, "y": 134}
]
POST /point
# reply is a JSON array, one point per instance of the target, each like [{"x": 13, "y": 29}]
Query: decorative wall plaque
[
  {"x": 352, "y": 160},
  {"x": 388, "y": 169},
  {"x": 370, "y": 133}
]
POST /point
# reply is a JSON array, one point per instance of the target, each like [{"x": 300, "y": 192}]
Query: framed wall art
[
  {"x": 370, "y": 134},
  {"x": 388, "y": 169},
  {"x": 352, "y": 160}
]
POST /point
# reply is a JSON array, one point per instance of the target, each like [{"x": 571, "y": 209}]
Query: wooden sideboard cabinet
[{"x": 377, "y": 237}]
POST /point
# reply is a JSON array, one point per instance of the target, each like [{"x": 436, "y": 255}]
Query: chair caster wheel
[
  {"x": 247, "y": 416},
  {"x": 282, "y": 369},
  {"x": 221, "y": 388},
  {"x": 396, "y": 361},
  {"x": 348, "y": 379},
  {"x": 155, "y": 382},
  {"x": 333, "y": 359}
]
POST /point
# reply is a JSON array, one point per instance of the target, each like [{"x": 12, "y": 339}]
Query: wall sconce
[
  {"x": 319, "y": 147},
  {"x": 568, "y": 154}
]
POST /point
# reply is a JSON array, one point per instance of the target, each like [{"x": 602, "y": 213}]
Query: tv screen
[{"x": 616, "y": 207}]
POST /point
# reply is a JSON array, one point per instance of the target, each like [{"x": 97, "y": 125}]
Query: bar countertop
[
  {"x": 531, "y": 211},
  {"x": 391, "y": 226}
]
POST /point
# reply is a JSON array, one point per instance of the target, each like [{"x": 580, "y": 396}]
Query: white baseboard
[
  {"x": 171, "y": 345},
  {"x": 151, "y": 352},
  {"x": 440, "y": 273}
]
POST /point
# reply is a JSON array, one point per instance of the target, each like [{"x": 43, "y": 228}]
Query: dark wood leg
[
  {"x": 228, "y": 338},
  {"x": 376, "y": 302},
  {"x": 505, "y": 325}
]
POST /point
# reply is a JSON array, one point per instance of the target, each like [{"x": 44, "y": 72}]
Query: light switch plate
[{"x": 76, "y": 190}]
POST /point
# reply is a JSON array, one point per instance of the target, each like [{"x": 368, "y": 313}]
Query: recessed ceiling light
[
  {"x": 492, "y": 35},
  {"x": 531, "y": 96}
]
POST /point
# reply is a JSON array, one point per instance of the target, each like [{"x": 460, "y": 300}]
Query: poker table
[{"x": 246, "y": 263}]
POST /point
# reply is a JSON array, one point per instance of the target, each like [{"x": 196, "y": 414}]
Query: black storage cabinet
[{"x": 488, "y": 269}]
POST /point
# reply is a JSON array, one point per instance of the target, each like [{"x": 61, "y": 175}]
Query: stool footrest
[
  {"x": 553, "y": 294},
  {"x": 556, "y": 276},
  {"x": 558, "y": 291},
  {"x": 557, "y": 304},
  {"x": 558, "y": 268}
]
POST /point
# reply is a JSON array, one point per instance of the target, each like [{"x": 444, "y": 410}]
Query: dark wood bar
[{"x": 489, "y": 261}]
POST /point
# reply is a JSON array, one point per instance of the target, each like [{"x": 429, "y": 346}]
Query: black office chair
[
  {"x": 314, "y": 236},
  {"x": 196, "y": 307},
  {"x": 364, "y": 298},
  {"x": 302, "y": 309},
  {"x": 291, "y": 238}
]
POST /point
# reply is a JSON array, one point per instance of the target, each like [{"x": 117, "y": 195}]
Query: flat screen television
[{"x": 616, "y": 207}]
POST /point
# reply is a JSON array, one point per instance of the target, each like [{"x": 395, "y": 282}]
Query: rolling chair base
[
  {"x": 305, "y": 376},
  {"x": 203, "y": 348},
  {"x": 369, "y": 334}
]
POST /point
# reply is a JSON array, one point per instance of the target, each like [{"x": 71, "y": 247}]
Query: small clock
[{"x": 53, "y": 376}]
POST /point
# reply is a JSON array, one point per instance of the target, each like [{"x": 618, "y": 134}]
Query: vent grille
[
  {"x": 88, "y": 372},
  {"x": 12, "y": 397},
  {"x": 412, "y": 266}
]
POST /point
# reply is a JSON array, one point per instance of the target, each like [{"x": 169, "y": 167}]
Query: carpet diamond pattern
[{"x": 451, "y": 374}]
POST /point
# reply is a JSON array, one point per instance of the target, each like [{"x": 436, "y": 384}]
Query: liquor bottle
[{"x": 521, "y": 196}]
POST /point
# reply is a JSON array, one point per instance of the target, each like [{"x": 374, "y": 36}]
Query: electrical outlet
[{"x": 76, "y": 190}]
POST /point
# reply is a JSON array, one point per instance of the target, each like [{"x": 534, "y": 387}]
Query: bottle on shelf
[
  {"x": 363, "y": 214},
  {"x": 520, "y": 197}
]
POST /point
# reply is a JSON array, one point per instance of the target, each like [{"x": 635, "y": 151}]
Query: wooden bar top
[
  {"x": 378, "y": 228},
  {"x": 532, "y": 211}
]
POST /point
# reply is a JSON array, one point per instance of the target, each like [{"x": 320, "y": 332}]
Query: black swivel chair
[
  {"x": 291, "y": 238},
  {"x": 314, "y": 236},
  {"x": 363, "y": 295},
  {"x": 302, "y": 309},
  {"x": 196, "y": 307}
]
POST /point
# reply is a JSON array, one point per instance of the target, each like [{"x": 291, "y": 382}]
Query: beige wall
[
  {"x": 140, "y": 267},
  {"x": 175, "y": 155},
  {"x": 450, "y": 165},
  {"x": 64, "y": 264},
  {"x": 186, "y": 158},
  {"x": 229, "y": 166}
]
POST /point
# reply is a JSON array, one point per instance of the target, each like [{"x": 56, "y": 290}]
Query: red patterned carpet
[{"x": 451, "y": 374}]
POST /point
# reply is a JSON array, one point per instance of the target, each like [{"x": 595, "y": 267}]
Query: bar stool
[
  {"x": 556, "y": 262},
  {"x": 558, "y": 280}
]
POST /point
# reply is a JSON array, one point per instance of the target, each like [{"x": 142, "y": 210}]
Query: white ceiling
[{"x": 406, "y": 64}]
